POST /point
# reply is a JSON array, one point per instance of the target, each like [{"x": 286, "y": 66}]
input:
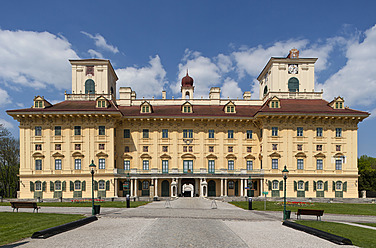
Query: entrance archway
[
  {"x": 211, "y": 188},
  {"x": 188, "y": 190},
  {"x": 165, "y": 188}
]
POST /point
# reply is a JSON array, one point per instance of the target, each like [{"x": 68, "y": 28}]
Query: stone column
[
  {"x": 201, "y": 187},
  {"x": 156, "y": 187},
  {"x": 135, "y": 187},
  {"x": 246, "y": 185},
  {"x": 241, "y": 188},
  {"x": 116, "y": 187},
  {"x": 221, "y": 186},
  {"x": 131, "y": 193},
  {"x": 226, "y": 187},
  {"x": 261, "y": 186},
  {"x": 178, "y": 184},
  {"x": 197, "y": 187}
]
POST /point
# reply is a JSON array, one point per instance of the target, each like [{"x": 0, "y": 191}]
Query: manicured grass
[
  {"x": 329, "y": 208},
  {"x": 367, "y": 224},
  {"x": 359, "y": 236},
  {"x": 109, "y": 204},
  {"x": 16, "y": 226}
]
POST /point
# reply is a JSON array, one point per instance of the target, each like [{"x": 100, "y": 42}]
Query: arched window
[
  {"x": 293, "y": 84},
  {"x": 265, "y": 90},
  {"x": 38, "y": 185},
  {"x": 89, "y": 87}
]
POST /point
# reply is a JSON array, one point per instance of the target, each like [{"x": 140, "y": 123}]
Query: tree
[
  {"x": 9, "y": 163},
  {"x": 367, "y": 173}
]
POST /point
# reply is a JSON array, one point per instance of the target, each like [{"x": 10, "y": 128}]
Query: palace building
[{"x": 210, "y": 147}]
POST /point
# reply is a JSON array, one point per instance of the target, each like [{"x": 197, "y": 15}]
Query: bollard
[
  {"x": 250, "y": 203},
  {"x": 61, "y": 199},
  {"x": 128, "y": 202}
]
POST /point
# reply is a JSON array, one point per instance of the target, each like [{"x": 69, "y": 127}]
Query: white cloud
[
  {"x": 231, "y": 89},
  {"x": 101, "y": 42},
  {"x": 4, "y": 97},
  {"x": 95, "y": 54},
  {"x": 6, "y": 124},
  {"x": 147, "y": 81},
  {"x": 356, "y": 81},
  {"x": 35, "y": 59}
]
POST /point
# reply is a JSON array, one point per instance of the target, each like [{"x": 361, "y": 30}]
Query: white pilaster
[
  {"x": 221, "y": 186},
  {"x": 226, "y": 187},
  {"x": 201, "y": 190},
  {"x": 135, "y": 187},
  {"x": 131, "y": 193},
  {"x": 241, "y": 188},
  {"x": 116, "y": 187},
  {"x": 156, "y": 187},
  {"x": 261, "y": 186}
]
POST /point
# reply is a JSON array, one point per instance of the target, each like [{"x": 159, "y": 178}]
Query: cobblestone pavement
[{"x": 187, "y": 222}]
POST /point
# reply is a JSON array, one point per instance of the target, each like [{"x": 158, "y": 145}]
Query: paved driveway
[{"x": 188, "y": 222}]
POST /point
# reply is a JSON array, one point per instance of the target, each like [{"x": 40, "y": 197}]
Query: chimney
[
  {"x": 164, "y": 95},
  {"x": 247, "y": 95},
  {"x": 215, "y": 93}
]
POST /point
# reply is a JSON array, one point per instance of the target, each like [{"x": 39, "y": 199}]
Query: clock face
[{"x": 293, "y": 69}]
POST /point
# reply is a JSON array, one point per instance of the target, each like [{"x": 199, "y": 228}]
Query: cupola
[
  {"x": 187, "y": 87},
  {"x": 187, "y": 81}
]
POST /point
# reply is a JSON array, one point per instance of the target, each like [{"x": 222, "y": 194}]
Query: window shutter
[
  {"x": 295, "y": 186},
  {"x": 334, "y": 186},
  {"x": 314, "y": 185},
  {"x": 306, "y": 186},
  {"x": 344, "y": 187},
  {"x": 83, "y": 185},
  {"x": 107, "y": 185},
  {"x": 52, "y": 184},
  {"x": 326, "y": 186},
  {"x": 71, "y": 184},
  {"x": 44, "y": 186},
  {"x": 281, "y": 185},
  {"x": 64, "y": 186},
  {"x": 270, "y": 185},
  {"x": 31, "y": 186},
  {"x": 95, "y": 185}
]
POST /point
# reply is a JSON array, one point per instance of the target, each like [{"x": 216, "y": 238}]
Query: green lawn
[
  {"x": 329, "y": 208},
  {"x": 16, "y": 226},
  {"x": 108, "y": 204},
  {"x": 359, "y": 236}
]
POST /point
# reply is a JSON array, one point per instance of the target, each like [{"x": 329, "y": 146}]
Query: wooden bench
[
  {"x": 317, "y": 213},
  {"x": 17, "y": 205}
]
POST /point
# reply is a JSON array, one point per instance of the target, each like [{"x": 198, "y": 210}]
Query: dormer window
[
  {"x": 187, "y": 108},
  {"x": 230, "y": 108},
  {"x": 102, "y": 102},
  {"x": 337, "y": 103},
  {"x": 40, "y": 102},
  {"x": 274, "y": 103},
  {"x": 145, "y": 107}
]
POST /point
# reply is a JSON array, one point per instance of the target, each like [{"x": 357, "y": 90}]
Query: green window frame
[
  {"x": 274, "y": 131},
  {"x": 145, "y": 133},
  {"x": 77, "y": 130},
  {"x": 319, "y": 132},
  {"x": 38, "y": 164},
  {"x": 102, "y": 164},
  {"x": 89, "y": 86},
  {"x": 164, "y": 166},
  {"x": 57, "y": 130},
  {"x": 211, "y": 166},
  {"x": 38, "y": 131},
  {"x": 58, "y": 164},
  {"x": 102, "y": 130}
]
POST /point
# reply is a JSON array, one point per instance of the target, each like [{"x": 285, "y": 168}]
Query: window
[
  {"x": 145, "y": 164},
  {"x": 249, "y": 149},
  {"x": 89, "y": 87},
  {"x": 77, "y": 185},
  {"x": 300, "y": 185},
  {"x": 300, "y": 164},
  {"x": 38, "y": 131},
  {"x": 274, "y": 147},
  {"x": 101, "y": 146},
  {"x": 38, "y": 104},
  {"x": 230, "y": 149},
  {"x": 57, "y": 130},
  {"x": 319, "y": 164},
  {"x": 299, "y": 132},
  {"x": 145, "y": 133},
  {"x": 261, "y": 133},
  {"x": 101, "y": 104},
  {"x": 77, "y": 146},
  {"x": 38, "y": 147},
  {"x": 38, "y": 185},
  {"x": 127, "y": 133},
  {"x": 293, "y": 84},
  {"x": 274, "y": 163},
  {"x": 57, "y": 164},
  {"x": 231, "y": 165},
  {"x": 38, "y": 164},
  {"x": 211, "y": 148},
  {"x": 318, "y": 147},
  {"x": 230, "y": 109},
  {"x": 145, "y": 109},
  {"x": 188, "y": 133},
  {"x": 230, "y": 134},
  {"x": 101, "y": 185},
  {"x": 249, "y": 134},
  {"x": 164, "y": 166},
  {"x": 319, "y": 132},
  {"x": 58, "y": 185},
  {"x": 188, "y": 166},
  {"x": 127, "y": 165},
  {"x": 187, "y": 109},
  {"x": 274, "y": 131},
  {"x": 320, "y": 185},
  {"x": 338, "y": 186},
  {"x": 249, "y": 164},
  {"x": 77, "y": 130},
  {"x": 274, "y": 104},
  {"x": 126, "y": 149},
  {"x": 184, "y": 148},
  {"x": 145, "y": 149},
  {"x": 165, "y": 148},
  {"x": 231, "y": 185},
  {"x": 211, "y": 166},
  {"x": 338, "y": 132},
  {"x": 102, "y": 130},
  {"x": 211, "y": 134},
  {"x": 300, "y": 147},
  {"x": 338, "y": 148},
  {"x": 145, "y": 185},
  {"x": 338, "y": 164},
  {"x": 275, "y": 185},
  {"x": 164, "y": 133},
  {"x": 102, "y": 164},
  {"x": 190, "y": 148},
  {"x": 77, "y": 164}
]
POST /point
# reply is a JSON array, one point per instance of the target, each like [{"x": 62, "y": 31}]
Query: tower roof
[{"x": 187, "y": 81}]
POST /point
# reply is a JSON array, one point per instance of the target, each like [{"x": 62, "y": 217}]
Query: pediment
[
  {"x": 57, "y": 155},
  {"x": 300, "y": 155},
  {"x": 145, "y": 156},
  {"x": 211, "y": 156},
  {"x": 38, "y": 155},
  {"x": 231, "y": 156},
  {"x": 319, "y": 155},
  {"x": 77, "y": 154},
  {"x": 165, "y": 156},
  {"x": 126, "y": 156},
  {"x": 188, "y": 155},
  {"x": 339, "y": 155},
  {"x": 102, "y": 154},
  {"x": 275, "y": 155},
  {"x": 250, "y": 156}
]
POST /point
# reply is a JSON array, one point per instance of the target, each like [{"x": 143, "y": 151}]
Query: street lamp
[
  {"x": 249, "y": 186},
  {"x": 285, "y": 174},
  {"x": 92, "y": 167}
]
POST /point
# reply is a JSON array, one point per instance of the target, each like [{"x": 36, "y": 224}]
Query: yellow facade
[{"x": 192, "y": 147}]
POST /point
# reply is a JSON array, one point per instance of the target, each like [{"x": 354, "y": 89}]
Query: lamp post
[
  {"x": 92, "y": 167},
  {"x": 285, "y": 174},
  {"x": 249, "y": 186}
]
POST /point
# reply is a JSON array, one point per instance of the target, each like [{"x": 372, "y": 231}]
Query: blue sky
[{"x": 223, "y": 43}]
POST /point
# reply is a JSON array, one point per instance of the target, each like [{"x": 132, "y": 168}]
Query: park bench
[
  {"x": 317, "y": 213},
  {"x": 17, "y": 205}
]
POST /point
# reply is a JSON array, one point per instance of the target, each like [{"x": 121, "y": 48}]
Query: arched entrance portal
[
  {"x": 188, "y": 187},
  {"x": 211, "y": 188},
  {"x": 165, "y": 188}
]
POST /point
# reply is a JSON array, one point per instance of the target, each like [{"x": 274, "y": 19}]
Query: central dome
[{"x": 187, "y": 81}]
